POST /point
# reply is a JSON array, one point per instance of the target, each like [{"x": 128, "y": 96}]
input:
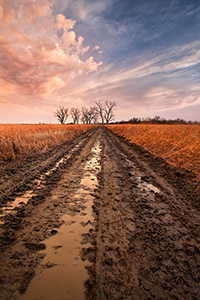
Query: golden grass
[
  {"x": 21, "y": 141},
  {"x": 179, "y": 145}
]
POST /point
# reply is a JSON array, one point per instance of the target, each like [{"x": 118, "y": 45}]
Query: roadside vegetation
[
  {"x": 21, "y": 141},
  {"x": 179, "y": 145}
]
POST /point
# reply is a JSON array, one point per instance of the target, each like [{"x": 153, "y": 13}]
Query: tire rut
[
  {"x": 23, "y": 233},
  {"x": 147, "y": 237},
  {"x": 16, "y": 177}
]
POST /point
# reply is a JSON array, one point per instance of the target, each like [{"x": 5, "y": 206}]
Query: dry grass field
[
  {"x": 20, "y": 141},
  {"x": 179, "y": 145}
]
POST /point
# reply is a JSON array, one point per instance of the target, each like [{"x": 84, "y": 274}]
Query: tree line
[
  {"x": 101, "y": 112},
  {"x": 156, "y": 120}
]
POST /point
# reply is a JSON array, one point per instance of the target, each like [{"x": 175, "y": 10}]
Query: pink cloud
[
  {"x": 97, "y": 48},
  {"x": 39, "y": 51},
  {"x": 63, "y": 23}
]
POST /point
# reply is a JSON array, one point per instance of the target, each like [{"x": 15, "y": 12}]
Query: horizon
[
  {"x": 176, "y": 121},
  {"x": 145, "y": 56}
]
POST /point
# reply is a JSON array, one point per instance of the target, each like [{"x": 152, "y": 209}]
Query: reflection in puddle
[
  {"x": 63, "y": 273},
  {"x": 15, "y": 204},
  {"x": 147, "y": 186},
  {"x": 143, "y": 185},
  {"x": 11, "y": 206}
]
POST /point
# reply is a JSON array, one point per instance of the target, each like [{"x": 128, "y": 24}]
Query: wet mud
[{"x": 98, "y": 219}]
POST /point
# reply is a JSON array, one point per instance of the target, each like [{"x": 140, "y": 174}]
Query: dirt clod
[
  {"x": 35, "y": 246},
  {"x": 25, "y": 280}
]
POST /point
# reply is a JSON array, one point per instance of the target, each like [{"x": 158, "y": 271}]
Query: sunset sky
[{"x": 143, "y": 54}]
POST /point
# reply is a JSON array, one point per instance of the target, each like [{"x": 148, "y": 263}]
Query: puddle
[
  {"x": 148, "y": 187},
  {"x": 11, "y": 206},
  {"x": 63, "y": 273},
  {"x": 10, "y": 209}
]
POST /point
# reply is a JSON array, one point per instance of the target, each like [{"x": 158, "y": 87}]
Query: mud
[{"x": 105, "y": 218}]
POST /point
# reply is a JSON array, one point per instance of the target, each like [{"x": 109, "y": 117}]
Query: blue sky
[
  {"x": 126, "y": 28},
  {"x": 145, "y": 55}
]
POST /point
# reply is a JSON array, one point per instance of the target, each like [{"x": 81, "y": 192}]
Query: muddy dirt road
[{"x": 97, "y": 218}]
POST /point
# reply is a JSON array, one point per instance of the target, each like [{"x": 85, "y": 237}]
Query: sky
[{"x": 142, "y": 54}]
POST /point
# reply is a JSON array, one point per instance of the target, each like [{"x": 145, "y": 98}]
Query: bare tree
[
  {"x": 75, "y": 114},
  {"x": 85, "y": 115},
  {"x": 95, "y": 116},
  {"x": 109, "y": 111},
  {"x": 92, "y": 115},
  {"x": 83, "y": 119},
  {"x": 89, "y": 115},
  {"x": 62, "y": 114},
  {"x": 100, "y": 110}
]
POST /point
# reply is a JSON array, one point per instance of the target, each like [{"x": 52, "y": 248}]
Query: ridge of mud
[{"x": 182, "y": 180}]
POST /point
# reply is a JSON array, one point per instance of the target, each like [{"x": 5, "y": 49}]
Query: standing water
[{"x": 63, "y": 273}]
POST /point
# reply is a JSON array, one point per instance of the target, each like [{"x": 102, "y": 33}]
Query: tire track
[{"x": 147, "y": 237}]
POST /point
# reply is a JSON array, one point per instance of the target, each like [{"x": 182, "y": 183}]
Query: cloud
[
  {"x": 88, "y": 11},
  {"x": 40, "y": 51},
  {"x": 150, "y": 52},
  {"x": 158, "y": 81}
]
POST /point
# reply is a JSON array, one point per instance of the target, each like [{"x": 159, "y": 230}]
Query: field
[
  {"x": 179, "y": 145},
  {"x": 20, "y": 141}
]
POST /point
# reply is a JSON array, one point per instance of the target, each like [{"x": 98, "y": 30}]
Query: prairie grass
[
  {"x": 179, "y": 145},
  {"x": 20, "y": 141}
]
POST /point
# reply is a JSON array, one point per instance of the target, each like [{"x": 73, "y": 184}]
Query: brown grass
[
  {"x": 21, "y": 141},
  {"x": 179, "y": 145}
]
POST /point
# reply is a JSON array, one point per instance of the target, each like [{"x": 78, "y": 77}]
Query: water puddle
[
  {"x": 63, "y": 273},
  {"x": 143, "y": 185},
  {"x": 23, "y": 200},
  {"x": 148, "y": 187},
  {"x": 11, "y": 208}
]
